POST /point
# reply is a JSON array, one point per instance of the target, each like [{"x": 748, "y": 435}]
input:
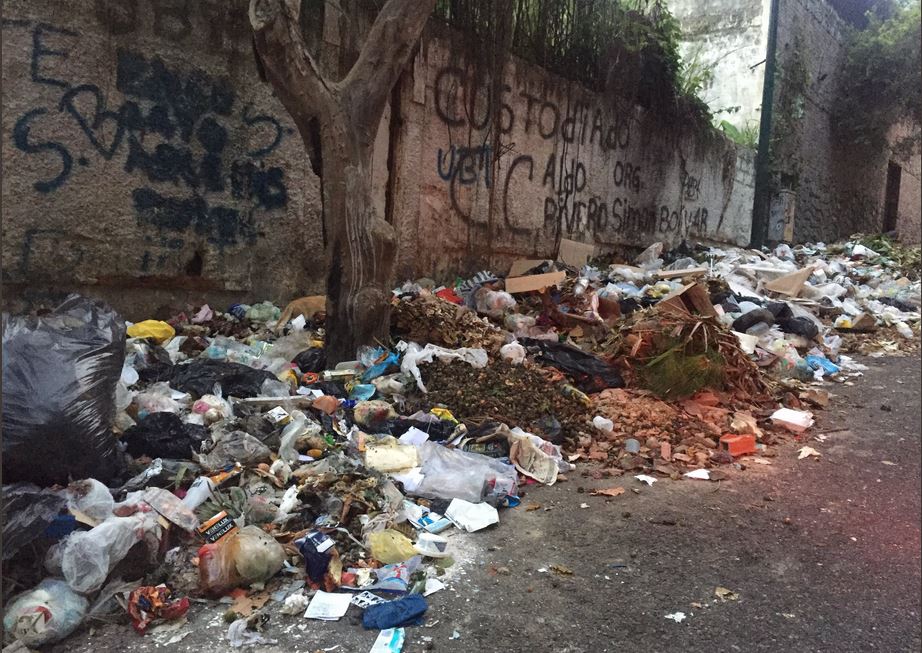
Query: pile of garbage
[{"x": 220, "y": 454}]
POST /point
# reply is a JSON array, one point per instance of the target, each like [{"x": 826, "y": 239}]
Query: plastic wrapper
[
  {"x": 373, "y": 414},
  {"x": 452, "y": 474},
  {"x": 45, "y": 614},
  {"x": 59, "y": 377},
  {"x": 235, "y": 447},
  {"x": 200, "y": 376},
  {"x": 299, "y": 427},
  {"x": 154, "y": 330},
  {"x": 213, "y": 407},
  {"x": 493, "y": 303},
  {"x": 513, "y": 352},
  {"x": 158, "y": 398},
  {"x": 171, "y": 507},
  {"x": 89, "y": 556},
  {"x": 390, "y": 546},
  {"x": 246, "y": 556},
  {"x": 27, "y": 511},
  {"x": 164, "y": 435}
]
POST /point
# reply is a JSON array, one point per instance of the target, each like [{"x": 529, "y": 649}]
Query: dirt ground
[{"x": 824, "y": 555}]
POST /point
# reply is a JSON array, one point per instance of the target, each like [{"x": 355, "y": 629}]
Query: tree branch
[
  {"x": 289, "y": 66},
  {"x": 385, "y": 53}
]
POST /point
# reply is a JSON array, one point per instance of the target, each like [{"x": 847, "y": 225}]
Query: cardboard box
[
  {"x": 523, "y": 265},
  {"x": 533, "y": 282},
  {"x": 790, "y": 284},
  {"x": 692, "y": 298},
  {"x": 672, "y": 274},
  {"x": 575, "y": 253}
]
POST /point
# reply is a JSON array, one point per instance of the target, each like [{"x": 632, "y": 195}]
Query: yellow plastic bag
[
  {"x": 390, "y": 547},
  {"x": 159, "y": 331}
]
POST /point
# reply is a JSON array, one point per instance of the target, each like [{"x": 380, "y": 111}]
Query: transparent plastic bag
[
  {"x": 89, "y": 556},
  {"x": 47, "y": 613},
  {"x": 244, "y": 557},
  {"x": 59, "y": 377},
  {"x": 452, "y": 474},
  {"x": 493, "y": 303},
  {"x": 235, "y": 447},
  {"x": 158, "y": 398}
]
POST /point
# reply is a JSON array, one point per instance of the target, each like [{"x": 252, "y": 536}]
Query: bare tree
[{"x": 360, "y": 248}]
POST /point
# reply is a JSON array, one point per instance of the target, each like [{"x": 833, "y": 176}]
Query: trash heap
[{"x": 220, "y": 456}]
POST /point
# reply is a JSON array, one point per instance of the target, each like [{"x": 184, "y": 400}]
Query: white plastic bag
[
  {"x": 45, "y": 614},
  {"x": 416, "y": 355},
  {"x": 92, "y": 498}
]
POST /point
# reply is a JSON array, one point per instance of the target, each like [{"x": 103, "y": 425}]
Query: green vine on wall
[
  {"x": 629, "y": 47},
  {"x": 881, "y": 83},
  {"x": 792, "y": 79}
]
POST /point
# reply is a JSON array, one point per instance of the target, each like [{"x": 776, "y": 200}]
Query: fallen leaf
[
  {"x": 608, "y": 492},
  {"x": 561, "y": 570},
  {"x": 725, "y": 594},
  {"x": 807, "y": 451},
  {"x": 246, "y": 605},
  {"x": 531, "y": 507}
]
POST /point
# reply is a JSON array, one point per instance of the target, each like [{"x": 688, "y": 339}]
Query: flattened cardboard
[
  {"x": 672, "y": 274},
  {"x": 790, "y": 284},
  {"x": 575, "y": 253},
  {"x": 692, "y": 298},
  {"x": 533, "y": 282}
]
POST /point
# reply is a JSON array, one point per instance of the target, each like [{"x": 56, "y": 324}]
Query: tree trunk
[{"x": 360, "y": 249}]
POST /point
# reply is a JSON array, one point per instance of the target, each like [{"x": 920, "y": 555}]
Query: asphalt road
[{"x": 822, "y": 555}]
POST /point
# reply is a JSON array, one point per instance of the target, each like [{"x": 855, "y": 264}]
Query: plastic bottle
[
  {"x": 569, "y": 391},
  {"x": 198, "y": 493},
  {"x": 904, "y": 330},
  {"x": 295, "y": 428},
  {"x": 45, "y": 614},
  {"x": 580, "y": 287}
]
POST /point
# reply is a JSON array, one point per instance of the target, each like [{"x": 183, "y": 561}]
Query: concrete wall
[
  {"x": 557, "y": 162},
  {"x": 731, "y": 37},
  {"x": 839, "y": 187},
  {"x": 145, "y": 162},
  {"x": 909, "y": 220}
]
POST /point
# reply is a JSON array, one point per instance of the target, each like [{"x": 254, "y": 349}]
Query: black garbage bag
[
  {"x": 753, "y": 317},
  {"x": 589, "y": 373},
  {"x": 155, "y": 366},
  {"x": 164, "y": 435},
  {"x": 59, "y": 376},
  {"x": 801, "y": 326},
  {"x": 28, "y": 510},
  {"x": 236, "y": 380},
  {"x": 899, "y": 304},
  {"x": 437, "y": 431},
  {"x": 311, "y": 360}
]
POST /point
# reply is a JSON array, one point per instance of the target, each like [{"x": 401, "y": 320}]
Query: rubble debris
[{"x": 223, "y": 457}]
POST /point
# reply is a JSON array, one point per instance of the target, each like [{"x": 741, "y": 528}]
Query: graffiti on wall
[
  {"x": 199, "y": 157},
  {"x": 608, "y": 207}
]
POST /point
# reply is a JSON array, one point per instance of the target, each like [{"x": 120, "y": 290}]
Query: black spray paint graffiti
[
  {"x": 173, "y": 129},
  {"x": 568, "y": 207}
]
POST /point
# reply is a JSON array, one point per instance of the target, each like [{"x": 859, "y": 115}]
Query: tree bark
[{"x": 360, "y": 251}]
